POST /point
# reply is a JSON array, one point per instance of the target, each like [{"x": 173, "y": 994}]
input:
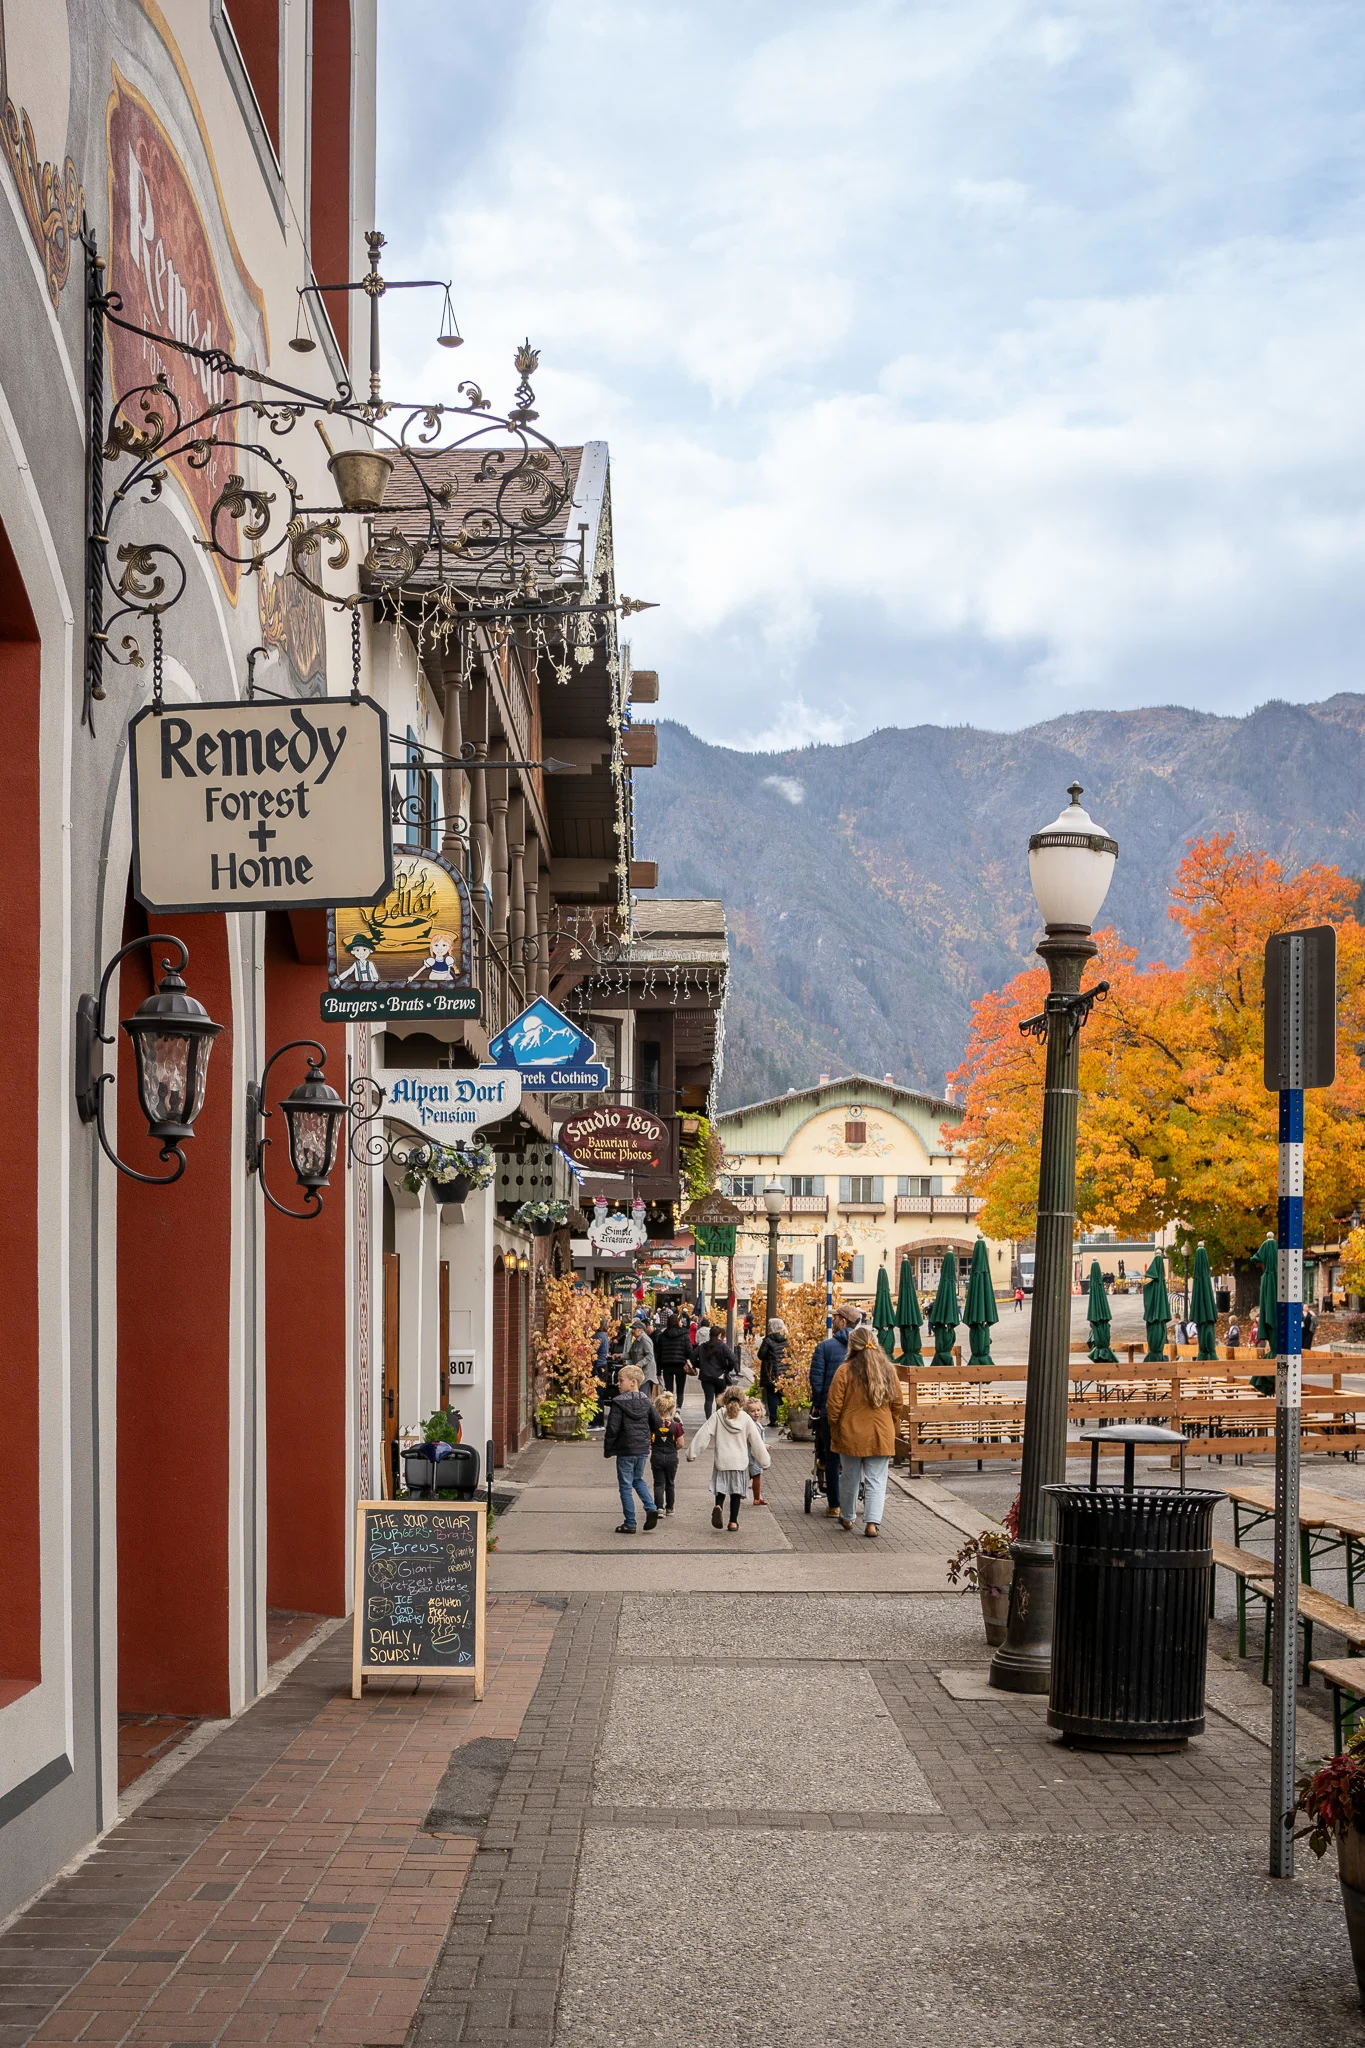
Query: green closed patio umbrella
[
  {"x": 1204, "y": 1308},
  {"x": 981, "y": 1310},
  {"x": 1156, "y": 1311},
  {"x": 1268, "y": 1309},
  {"x": 909, "y": 1316},
  {"x": 944, "y": 1316},
  {"x": 1098, "y": 1316},
  {"x": 883, "y": 1315}
]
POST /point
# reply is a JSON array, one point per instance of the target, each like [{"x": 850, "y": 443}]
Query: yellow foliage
[
  {"x": 1353, "y": 1262},
  {"x": 802, "y": 1309},
  {"x": 566, "y": 1348},
  {"x": 1175, "y": 1124}
]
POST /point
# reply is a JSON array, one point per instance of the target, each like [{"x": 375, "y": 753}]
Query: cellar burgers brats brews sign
[{"x": 280, "y": 806}]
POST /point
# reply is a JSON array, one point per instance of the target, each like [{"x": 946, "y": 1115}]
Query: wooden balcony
[{"x": 937, "y": 1205}]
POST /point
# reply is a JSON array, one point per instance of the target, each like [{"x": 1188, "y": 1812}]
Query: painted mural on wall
[
  {"x": 50, "y": 190},
  {"x": 294, "y": 627},
  {"x": 161, "y": 262}
]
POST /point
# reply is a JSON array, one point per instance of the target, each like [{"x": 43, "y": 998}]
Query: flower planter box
[
  {"x": 799, "y": 1426},
  {"x": 564, "y": 1422},
  {"x": 994, "y": 1577},
  {"x": 451, "y": 1190}
]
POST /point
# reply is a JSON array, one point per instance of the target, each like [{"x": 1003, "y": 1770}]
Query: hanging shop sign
[
  {"x": 747, "y": 1265},
  {"x": 713, "y": 1211},
  {"x": 445, "y": 1102},
  {"x": 408, "y": 955},
  {"x": 615, "y": 1237},
  {"x": 615, "y": 1138},
  {"x": 260, "y": 806},
  {"x": 715, "y": 1240},
  {"x": 549, "y": 1051}
]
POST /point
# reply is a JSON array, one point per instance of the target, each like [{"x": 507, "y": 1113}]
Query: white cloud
[
  {"x": 958, "y": 361},
  {"x": 788, "y": 786}
]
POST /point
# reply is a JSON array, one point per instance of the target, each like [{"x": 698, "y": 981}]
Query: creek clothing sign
[
  {"x": 260, "y": 806},
  {"x": 549, "y": 1051}
]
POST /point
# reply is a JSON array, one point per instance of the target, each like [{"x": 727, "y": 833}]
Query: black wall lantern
[
  {"x": 172, "y": 1036},
  {"x": 313, "y": 1115}
]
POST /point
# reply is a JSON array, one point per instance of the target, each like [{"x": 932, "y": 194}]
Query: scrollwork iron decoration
[
  {"x": 1075, "y": 1008},
  {"x": 375, "y": 1140},
  {"x": 456, "y": 503}
]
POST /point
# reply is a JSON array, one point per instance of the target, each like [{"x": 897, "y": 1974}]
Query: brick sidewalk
[{"x": 279, "y": 1888}]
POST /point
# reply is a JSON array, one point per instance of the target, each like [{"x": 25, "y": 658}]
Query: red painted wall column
[
  {"x": 21, "y": 1591},
  {"x": 329, "y": 189},
  {"x": 305, "y": 1315},
  {"x": 174, "y": 1300}
]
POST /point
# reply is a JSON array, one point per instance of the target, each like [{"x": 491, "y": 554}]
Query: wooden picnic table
[{"x": 1327, "y": 1522}]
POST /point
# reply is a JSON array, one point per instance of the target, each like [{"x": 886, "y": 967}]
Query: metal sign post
[{"x": 1300, "y": 1052}]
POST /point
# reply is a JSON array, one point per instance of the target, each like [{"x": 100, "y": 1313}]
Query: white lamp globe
[
  {"x": 774, "y": 1198},
  {"x": 1070, "y": 864}
]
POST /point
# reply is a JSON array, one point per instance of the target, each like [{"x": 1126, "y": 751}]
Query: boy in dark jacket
[
  {"x": 631, "y": 1422},
  {"x": 665, "y": 1443}
]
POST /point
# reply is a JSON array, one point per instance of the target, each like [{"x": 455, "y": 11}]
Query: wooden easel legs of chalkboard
[{"x": 386, "y": 1532}]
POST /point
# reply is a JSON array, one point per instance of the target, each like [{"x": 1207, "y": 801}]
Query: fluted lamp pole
[
  {"x": 1070, "y": 866},
  {"x": 774, "y": 1201}
]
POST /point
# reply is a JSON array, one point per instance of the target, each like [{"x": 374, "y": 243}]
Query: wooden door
[
  {"x": 443, "y": 1333},
  {"x": 500, "y": 1283},
  {"x": 389, "y": 1417}
]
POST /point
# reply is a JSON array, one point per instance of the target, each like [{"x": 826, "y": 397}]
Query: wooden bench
[
  {"x": 1247, "y": 1569},
  {"x": 1346, "y": 1677},
  {"x": 1314, "y": 1608}
]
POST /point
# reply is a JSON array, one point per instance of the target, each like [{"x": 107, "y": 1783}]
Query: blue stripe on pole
[
  {"x": 1289, "y": 1328},
  {"x": 1290, "y": 1223},
  {"x": 1291, "y": 1116}
]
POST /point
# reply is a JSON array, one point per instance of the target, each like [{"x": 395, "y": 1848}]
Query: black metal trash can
[{"x": 1131, "y": 1622}]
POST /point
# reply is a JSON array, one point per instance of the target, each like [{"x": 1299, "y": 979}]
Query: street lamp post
[
  {"x": 1070, "y": 866},
  {"x": 774, "y": 1201}
]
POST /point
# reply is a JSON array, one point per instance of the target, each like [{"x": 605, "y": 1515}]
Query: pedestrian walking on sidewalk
[
  {"x": 673, "y": 1355},
  {"x": 772, "y": 1363},
  {"x": 1018, "y": 1299},
  {"x": 826, "y": 1359},
  {"x": 640, "y": 1352},
  {"x": 862, "y": 1407},
  {"x": 754, "y": 1407},
  {"x": 631, "y": 1423},
  {"x": 716, "y": 1363},
  {"x": 663, "y": 1452},
  {"x": 733, "y": 1438}
]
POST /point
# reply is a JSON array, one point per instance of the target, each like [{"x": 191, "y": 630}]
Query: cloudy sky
[{"x": 966, "y": 363}]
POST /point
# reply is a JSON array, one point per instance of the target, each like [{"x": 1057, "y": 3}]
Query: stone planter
[
  {"x": 994, "y": 1577},
  {"x": 565, "y": 1421},
  {"x": 799, "y": 1427},
  {"x": 1351, "y": 1870}
]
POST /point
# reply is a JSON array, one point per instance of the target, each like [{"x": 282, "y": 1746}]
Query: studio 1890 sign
[{"x": 260, "y": 806}]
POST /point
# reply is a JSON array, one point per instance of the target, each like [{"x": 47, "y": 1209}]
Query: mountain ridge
[{"x": 874, "y": 889}]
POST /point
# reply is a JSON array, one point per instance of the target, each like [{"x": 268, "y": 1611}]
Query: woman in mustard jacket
[{"x": 862, "y": 1406}]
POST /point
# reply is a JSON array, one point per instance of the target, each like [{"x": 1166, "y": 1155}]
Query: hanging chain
[
  {"x": 355, "y": 654},
  {"x": 158, "y": 680}
]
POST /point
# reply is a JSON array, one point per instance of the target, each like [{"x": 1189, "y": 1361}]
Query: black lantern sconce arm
[
  {"x": 313, "y": 1115},
  {"x": 172, "y": 1036}
]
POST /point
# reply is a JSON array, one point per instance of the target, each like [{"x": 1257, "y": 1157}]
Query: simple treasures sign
[{"x": 260, "y": 806}]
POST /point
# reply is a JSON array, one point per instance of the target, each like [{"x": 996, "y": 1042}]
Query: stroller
[{"x": 816, "y": 1487}]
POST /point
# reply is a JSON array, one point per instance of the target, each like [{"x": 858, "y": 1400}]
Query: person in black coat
[
  {"x": 673, "y": 1355},
  {"x": 716, "y": 1364},
  {"x": 772, "y": 1363},
  {"x": 631, "y": 1423}
]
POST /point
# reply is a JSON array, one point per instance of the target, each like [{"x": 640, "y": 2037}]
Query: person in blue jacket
[{"x": 828, "y": 1356}]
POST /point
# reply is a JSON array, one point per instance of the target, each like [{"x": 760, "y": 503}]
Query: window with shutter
[
  {"x": 902, "y": 1183},
  {"x": 817, "y": 1186},
  {"x": 860, "y": 1188},
  {"x": 936, "y": 1184},
  {"x": 845, "y": 1188},
  {"x": 857, "y": 1269},
  {"x": 877, "y": 1185},
  {"x": 798, "y": 1267},
  {"x": 855, "y": 1133}
]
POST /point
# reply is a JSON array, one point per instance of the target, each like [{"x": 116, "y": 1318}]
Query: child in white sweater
[{"x": 734, "y": 1439}]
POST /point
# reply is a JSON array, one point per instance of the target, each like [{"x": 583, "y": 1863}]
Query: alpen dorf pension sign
[
  {"x": 615, "y": 1138},
  {"x": 280, "y": 806}
]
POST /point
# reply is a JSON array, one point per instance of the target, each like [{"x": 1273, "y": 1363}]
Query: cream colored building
[{"x": 861, "y": 1159}]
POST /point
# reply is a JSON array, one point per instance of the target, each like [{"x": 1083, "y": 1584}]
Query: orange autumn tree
[{"x": 1175, "y": 1125}]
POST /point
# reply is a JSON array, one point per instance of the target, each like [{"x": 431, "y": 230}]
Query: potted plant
[
  {"x": 566, "y": 1352},
  {"x": 1332, "y": 1799},
  {"x": 452, "y": 1171},
  {"x": 542, "y": 1218},
  {"x": 984, "y": 1565}
]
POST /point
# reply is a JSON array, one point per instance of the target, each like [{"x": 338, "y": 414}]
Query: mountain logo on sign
[{"x": 541, "y": 1036}]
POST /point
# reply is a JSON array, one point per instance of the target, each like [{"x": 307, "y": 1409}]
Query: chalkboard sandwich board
[{"x": 420, "y": 1572}]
